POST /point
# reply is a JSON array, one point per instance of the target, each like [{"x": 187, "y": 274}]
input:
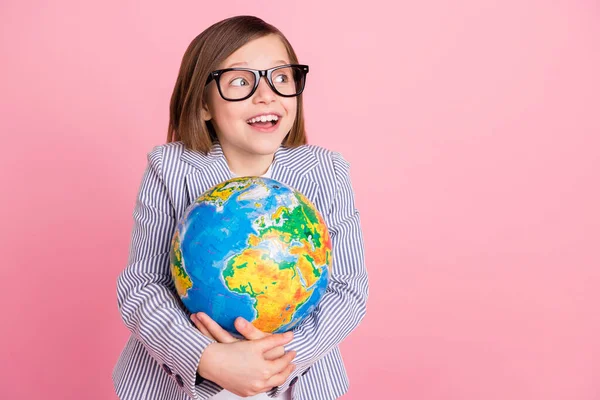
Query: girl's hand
[
  {"x": 241, "y": 366},
  {"x": 210, "y": 328}
]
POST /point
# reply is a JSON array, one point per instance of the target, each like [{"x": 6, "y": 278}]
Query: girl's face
[{"x": 230, "y": 118}]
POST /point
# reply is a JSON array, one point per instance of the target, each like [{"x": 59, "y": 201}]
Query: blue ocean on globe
[{"x": 251, "y": 247}]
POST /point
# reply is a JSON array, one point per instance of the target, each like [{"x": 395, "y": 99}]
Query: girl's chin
[
  {"x": 266, "y": 141},
  {"x": 264, "y": 148},
  {"x": 255, "y": 142}
]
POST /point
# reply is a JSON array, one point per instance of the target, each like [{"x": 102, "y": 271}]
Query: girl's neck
[{"x": 245, "y": 164}]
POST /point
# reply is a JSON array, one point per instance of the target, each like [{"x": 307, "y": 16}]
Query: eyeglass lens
[{"x": 238, "y": 84}]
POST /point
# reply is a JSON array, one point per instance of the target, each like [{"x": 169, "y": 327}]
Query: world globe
[{"x": 255, "y": 248}]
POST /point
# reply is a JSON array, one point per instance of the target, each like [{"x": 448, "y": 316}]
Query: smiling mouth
[
  {"x": 265, "y": 126},
  {"x": 264, "y": 121}
]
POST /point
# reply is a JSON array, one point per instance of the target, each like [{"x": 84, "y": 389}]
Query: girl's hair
[{"x": 204, "y": 55}]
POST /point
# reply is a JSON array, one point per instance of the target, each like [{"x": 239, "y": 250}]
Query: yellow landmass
[
  {"x": 223, "y": 191},
  {"x": 181, "y": 279},
  {"x": 274, "y": 289},
  {"x": 306, "y": 269}
]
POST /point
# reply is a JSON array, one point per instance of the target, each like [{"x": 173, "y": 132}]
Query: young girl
[{"x": 236, "y": 110}]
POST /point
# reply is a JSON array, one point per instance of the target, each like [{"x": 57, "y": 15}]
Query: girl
[{"x": 236, "y": 110}]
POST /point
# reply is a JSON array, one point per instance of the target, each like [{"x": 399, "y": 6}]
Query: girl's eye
[
  {"x": 239, "y": 82},
  {"x": 281, "y": 78}
]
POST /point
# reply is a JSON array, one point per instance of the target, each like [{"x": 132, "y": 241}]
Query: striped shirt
[{"x": 161, "y": 357}]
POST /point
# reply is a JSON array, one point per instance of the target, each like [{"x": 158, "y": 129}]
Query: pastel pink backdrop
[{"x": 473, "y": 131}]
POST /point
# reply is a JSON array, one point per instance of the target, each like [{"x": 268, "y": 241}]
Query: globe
[{"x": 251, "y": 247}]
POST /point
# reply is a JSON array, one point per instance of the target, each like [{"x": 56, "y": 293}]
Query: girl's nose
[{"x": 264, "y": 93}]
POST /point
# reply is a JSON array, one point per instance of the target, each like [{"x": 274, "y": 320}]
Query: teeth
[{"x": 264, "y": 118}]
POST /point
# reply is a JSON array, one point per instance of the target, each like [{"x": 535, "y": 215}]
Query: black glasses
[{"x": 237, "y": 84}]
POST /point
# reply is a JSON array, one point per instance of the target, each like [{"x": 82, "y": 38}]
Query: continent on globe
[{"x": 251, "y": 247}]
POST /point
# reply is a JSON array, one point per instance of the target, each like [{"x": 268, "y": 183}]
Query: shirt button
[
  {"x": 167, "y": 369},
  {"x": 307, "y": 369},
  {"x": 179, "y": 380},
  {"x": 293, "y": 382}
]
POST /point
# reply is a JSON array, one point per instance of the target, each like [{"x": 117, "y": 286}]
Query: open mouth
[{"x": 264, "y": 122}]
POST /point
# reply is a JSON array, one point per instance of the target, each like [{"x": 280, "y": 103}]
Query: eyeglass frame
[{"x": 258, "y": 75}]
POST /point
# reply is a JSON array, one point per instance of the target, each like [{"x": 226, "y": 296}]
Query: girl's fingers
[
  {"x": 274, "y": 354},
  {"x": 219, "y": 334},
  {"x": 201, "y": 327},
  {"x": 206, "y": 333},
  {"x": 280, "y": 378},
  {"x": 283, "y": 362},
  {"x": 248, "y": 330},
  {"x": 272, "y": 341}
]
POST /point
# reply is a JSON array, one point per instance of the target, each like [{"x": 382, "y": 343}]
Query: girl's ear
[{"x": 205, "y": 112}]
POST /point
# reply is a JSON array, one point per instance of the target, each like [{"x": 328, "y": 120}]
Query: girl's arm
[
  {"x": 343, "y": 305},
  {"x": 147, "y": 299}
]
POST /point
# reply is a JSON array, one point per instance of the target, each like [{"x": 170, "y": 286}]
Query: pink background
[{"x": 473, "y": 131}]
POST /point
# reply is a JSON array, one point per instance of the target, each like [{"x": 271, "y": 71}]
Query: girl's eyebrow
[{"x": 278, "y": 62}]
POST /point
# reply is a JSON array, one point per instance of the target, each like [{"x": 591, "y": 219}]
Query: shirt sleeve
[
  {"x": 343, "y": 306},
  {"x": 147, "y": 300}
]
